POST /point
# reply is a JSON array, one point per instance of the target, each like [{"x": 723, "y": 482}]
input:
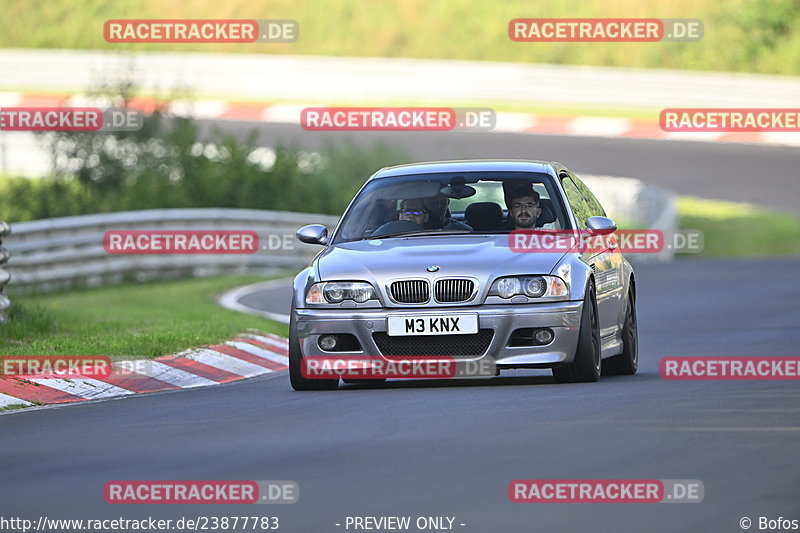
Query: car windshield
[{"x": 452, "y": 203}]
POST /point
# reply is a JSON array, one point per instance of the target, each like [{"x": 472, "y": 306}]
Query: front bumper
[{"x": 563, "y": 318}]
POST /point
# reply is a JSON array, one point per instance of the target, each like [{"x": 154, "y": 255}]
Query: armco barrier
[
  {"x": 60, "y": 253},
  {"x": 4, "y": 275}
]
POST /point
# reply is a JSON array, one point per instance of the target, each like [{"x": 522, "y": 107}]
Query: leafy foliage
[{"x": 167, "y": 165}]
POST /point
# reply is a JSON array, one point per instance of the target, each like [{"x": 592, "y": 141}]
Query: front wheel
[
  {"x": 587, "y": 364},
  {"x": 626, "y": 363}
]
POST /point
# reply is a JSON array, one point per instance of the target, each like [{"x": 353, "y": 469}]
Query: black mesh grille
[
  {"x": 413, "y": 291},
  {"x": 453, "y": 345},
  {"x": 453, "y": 290}
]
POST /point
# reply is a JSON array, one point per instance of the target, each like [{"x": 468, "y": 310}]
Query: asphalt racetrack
[{"x": 451, "y": 448}]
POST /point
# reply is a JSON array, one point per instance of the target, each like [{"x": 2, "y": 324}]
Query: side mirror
[
  {"x": 600, "y": 225},
  {"x": 313, "y": 234}
]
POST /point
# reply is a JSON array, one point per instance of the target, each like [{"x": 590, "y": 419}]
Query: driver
[
  {"x": 438, "y": 206},
  {"x": 413, "y": 210}
]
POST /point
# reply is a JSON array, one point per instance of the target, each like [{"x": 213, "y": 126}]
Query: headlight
[
  {"x": 334, "y": 292},
  {"x": 530, "y": 286},
  {"x": 505, "y": 287},
  {"x": 534, "y": 287}
]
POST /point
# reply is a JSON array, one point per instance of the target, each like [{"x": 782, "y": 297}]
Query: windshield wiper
[
  {"x": 438, "y": 232},
  {"x": 421, "y": 233}
]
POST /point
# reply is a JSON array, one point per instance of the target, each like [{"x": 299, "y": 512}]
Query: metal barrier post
[{"x": 5, "y": 229}]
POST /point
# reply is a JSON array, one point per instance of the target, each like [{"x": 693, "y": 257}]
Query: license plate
[{"x": 432, "y": 325}]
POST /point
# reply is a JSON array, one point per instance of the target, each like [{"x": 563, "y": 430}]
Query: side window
[
  {"x": 594, "y": 206},
  {"x": 576, "y": 202}
]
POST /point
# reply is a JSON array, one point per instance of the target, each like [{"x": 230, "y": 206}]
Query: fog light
[
  {"x": 327, "y": 342},
  {"x": 544, "y": 336}
]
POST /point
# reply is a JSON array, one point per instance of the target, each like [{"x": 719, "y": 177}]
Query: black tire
[
  {"x": 296, "y": 378},
  {"x": 364, "y": 381},
  {"x": 587, "y": 365},
  {"x": 626, "y": 363}
]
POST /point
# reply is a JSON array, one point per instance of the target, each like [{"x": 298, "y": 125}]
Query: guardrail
[
  {"x": 5, "y": 277},
  {"x": 60, "y": 253}
]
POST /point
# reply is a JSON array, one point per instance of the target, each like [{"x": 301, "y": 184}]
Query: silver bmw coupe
[{"x": 423, "y": 263}]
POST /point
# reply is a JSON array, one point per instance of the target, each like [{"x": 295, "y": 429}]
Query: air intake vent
[
  {"x": 435, "y": 345},
  {"x": 413, "y": 291},
  {"x": 454, "y": 290}
]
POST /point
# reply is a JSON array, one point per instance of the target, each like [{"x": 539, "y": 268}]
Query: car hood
[{"x": 484, "y": 257}]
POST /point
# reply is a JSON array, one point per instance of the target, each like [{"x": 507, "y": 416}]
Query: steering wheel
[{"x": 396, "y": 226}]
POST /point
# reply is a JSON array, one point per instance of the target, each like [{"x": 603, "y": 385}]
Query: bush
[{"x": 166, "y": 165}]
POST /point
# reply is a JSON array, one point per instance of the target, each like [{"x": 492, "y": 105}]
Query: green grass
[
  {"x": 16, "y": 406},
  {"x": 145, "y": 320},
  {"x": 739, "y": 230},
  {"x": 740, "y": 35}
]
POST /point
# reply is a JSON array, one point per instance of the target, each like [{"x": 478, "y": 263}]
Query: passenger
[{"x": 523, "y": 208}]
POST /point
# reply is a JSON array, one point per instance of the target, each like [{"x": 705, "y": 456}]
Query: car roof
[{"x": 470, "y": 165}]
